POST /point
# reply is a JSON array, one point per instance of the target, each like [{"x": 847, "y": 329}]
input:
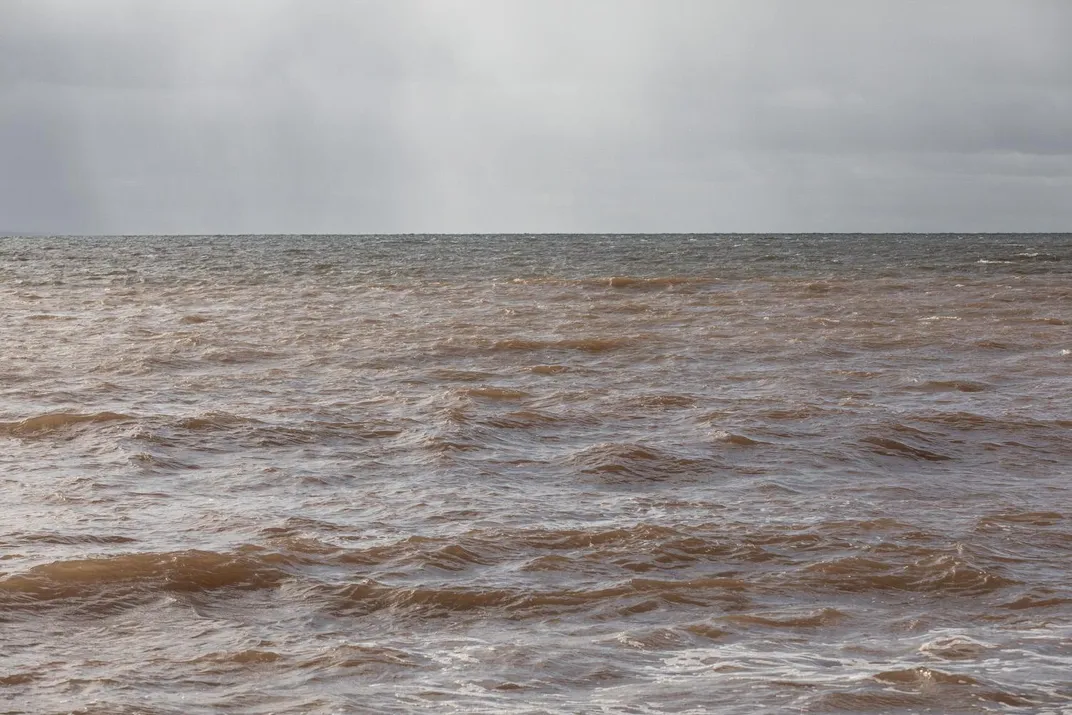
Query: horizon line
[{"x": 33, "y": 234}]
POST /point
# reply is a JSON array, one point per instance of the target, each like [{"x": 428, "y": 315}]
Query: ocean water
[{"x": 536, "y": 474}]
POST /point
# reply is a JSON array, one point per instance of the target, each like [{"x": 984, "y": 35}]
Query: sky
[{"x": 485, "y": 116}]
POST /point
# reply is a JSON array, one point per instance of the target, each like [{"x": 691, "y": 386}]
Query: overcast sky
[{"x": 351, "y": 116}]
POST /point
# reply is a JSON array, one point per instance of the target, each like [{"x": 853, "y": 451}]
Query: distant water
[{"x": 536, "y": 474}]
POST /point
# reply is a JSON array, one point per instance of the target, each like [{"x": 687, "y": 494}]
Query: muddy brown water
[{"x": 536, "y": 474}]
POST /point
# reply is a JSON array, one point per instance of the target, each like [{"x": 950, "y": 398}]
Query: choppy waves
[
  {"x": 510, "y": 474},
  {"x": 606, "y": 591},
  {"x": 892, "y": 560}
]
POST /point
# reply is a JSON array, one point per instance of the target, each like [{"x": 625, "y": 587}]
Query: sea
[{"x": 536, "y": 474}]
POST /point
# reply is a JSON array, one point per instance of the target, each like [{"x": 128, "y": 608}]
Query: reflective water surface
[{"x": 536, "y": 474}]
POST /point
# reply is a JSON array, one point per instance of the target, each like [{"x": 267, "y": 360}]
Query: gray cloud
[{"x": 534, "y": 115}]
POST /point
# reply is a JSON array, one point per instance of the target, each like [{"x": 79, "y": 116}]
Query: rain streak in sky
[{"x": 119, "y": 116}]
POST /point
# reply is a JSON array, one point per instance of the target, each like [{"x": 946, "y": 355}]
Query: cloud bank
[{"x": 122, "y": 116}]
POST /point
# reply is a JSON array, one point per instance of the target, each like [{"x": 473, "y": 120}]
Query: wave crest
[{"x": 51, "y": 422}]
